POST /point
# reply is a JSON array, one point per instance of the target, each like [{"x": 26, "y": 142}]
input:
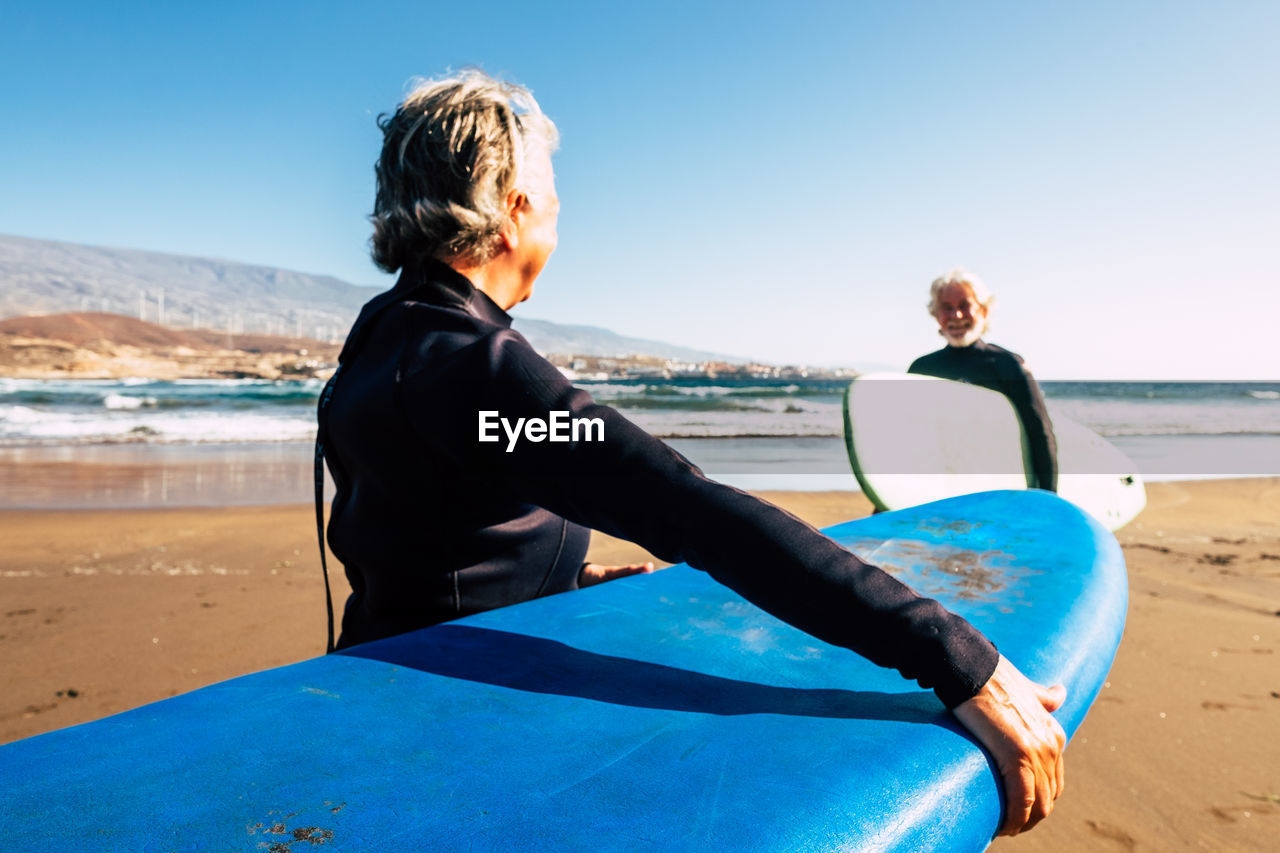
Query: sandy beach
[{"x": 105, "y": 610}]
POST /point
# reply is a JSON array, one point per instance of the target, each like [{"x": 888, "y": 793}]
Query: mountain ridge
[
  {"x": 96, "y": 345},
  {"x": 39, "y": 276}
]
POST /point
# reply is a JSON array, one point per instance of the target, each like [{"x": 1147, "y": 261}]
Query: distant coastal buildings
[{"x": 600, "y": 368}]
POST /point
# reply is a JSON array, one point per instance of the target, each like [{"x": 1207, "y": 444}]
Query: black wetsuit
[
  {"x": 1000, "y": 370},
  {"x": 432, "y": 524}
]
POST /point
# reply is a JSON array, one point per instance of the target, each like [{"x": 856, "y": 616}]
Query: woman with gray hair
[
  {"x": 961, "y": 304},
  {"x": 438, "y": 514}
]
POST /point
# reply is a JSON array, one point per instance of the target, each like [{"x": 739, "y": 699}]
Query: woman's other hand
[{"x": 592, "y": 574}]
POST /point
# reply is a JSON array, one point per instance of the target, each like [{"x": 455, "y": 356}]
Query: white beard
[{"x": 969, "y": 338}]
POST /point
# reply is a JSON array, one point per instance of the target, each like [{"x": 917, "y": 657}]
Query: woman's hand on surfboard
[
  {"x": 592, "y": 574},
  {"x": 1010, "y": 717}
]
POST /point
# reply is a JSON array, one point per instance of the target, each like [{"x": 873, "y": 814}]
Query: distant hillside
[
  {"x": 91, "y": 329},
  {"x": 546, "y": 337},
  {"x": 97, "y": 345},
  {"x": 49, "y": 277}
]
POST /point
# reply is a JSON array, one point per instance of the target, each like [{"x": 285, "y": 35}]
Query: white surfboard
[{"x": 915, "y": 439}]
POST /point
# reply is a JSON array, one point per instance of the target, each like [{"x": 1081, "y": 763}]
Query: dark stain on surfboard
[
  {"x": 313, "y": 835},
  {"x": 939, "y": 525},
  {"x": 932, "y": 569},
  {"x": 975, "y": 582}
]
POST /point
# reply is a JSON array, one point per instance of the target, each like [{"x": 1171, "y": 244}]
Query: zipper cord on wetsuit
[{"x": 322, "y": 434}]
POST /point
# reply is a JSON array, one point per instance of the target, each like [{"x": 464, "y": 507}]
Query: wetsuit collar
[
  {"x": 433, "y": 282},
  {"x": 437, "y": 283}
]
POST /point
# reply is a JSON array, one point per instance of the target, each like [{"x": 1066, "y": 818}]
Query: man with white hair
[
  {"x": 434, "y": 519},
  {"x": 961, "y": 304}
]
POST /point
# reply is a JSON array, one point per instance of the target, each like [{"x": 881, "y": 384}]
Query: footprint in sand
[
  {"x": 1210, "y": 705},
  {"x": 1157, "y": 548},
  {"x": 1112, "y": 833}
]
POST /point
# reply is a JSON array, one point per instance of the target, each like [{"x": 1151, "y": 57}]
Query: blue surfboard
[{"x": 659, "y": 712}]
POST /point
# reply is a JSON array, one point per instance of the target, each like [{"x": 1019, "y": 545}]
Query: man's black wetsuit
[
  {"x": 432, "y": 524},
  {"x": 1000, "y": 370}
]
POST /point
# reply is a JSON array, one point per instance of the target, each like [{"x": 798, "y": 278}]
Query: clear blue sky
[{"x": 765, "y": 179}]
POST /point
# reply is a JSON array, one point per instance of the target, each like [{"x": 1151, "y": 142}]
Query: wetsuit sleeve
[
  {"x": 1024, "y": 392},
  {"x": 615, "y": 477}
]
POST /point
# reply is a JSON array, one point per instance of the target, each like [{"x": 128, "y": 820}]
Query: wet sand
[{"x": 101, "y": 611}]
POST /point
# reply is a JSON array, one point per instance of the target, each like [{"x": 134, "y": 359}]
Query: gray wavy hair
[
  {"x": 451, "y": 152},
  {"x": 958, "y": 275}
]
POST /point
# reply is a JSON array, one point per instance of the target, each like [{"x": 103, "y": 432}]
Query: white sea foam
[
  {"x": 20, "y": 424},
  {"x": 19, "y": 415},
  {"x": 119, "y": 401}
]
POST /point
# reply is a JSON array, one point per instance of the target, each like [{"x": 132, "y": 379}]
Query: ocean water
[
  {"x": 752, "y": 433},
  {"x": 188, "y": 411}
]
